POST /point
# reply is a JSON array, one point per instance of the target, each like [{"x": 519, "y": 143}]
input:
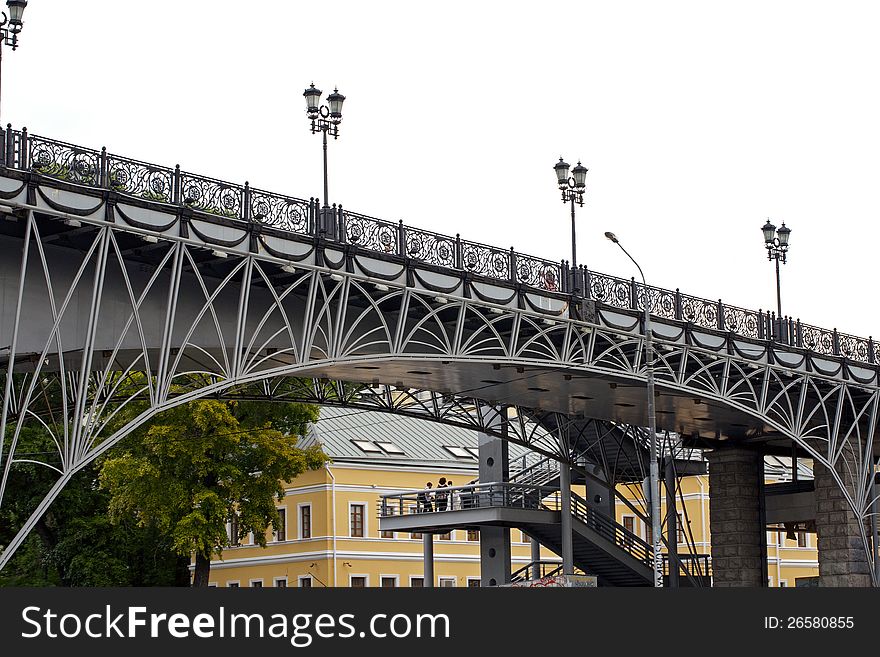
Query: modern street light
[
  {"x": 11, "y": 25},
  {"x": 776, "y": 242},
  {"x": 654, "y": 472},
  {"x": 573, "y": 189},
  {"x": 325, "y": 119}
]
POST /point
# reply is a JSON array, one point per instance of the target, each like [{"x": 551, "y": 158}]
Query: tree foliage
[{"x": 198, "y": 465}]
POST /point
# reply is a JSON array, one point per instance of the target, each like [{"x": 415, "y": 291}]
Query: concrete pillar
[
  {"x": 842, "y": 557},
  {"x": 565, "y": 519},
  {"x": 536, "y": 557},
  {"x": 738, "y": 534},
  {"x": 495, "y": 557},
  {"x": 428, "y": 555}
]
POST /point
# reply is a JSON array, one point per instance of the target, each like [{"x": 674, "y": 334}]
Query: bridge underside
[{"x": 105, "y": 304}]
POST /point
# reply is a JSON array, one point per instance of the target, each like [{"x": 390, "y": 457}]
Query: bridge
[{"x": 132, "y": 285}]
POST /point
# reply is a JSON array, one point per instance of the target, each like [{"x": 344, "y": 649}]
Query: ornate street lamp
[
  {"x": 776, "y": 243},
  {"x": 11, "y": 25},
  {"x": 325, "y": 119},
  {"x": 654, "y": 472},
  {"x": 573, "y": 189}
]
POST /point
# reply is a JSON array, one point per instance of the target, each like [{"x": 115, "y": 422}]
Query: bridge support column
[
  {"x": 671, "y": 523},
  {"x": 739, "y": 554},
  {"x": 565, "y": 519},
  {"x": 495, "y": 557},
  {"x": 428, "y": 555},
  {"x": 842, "y": 557},
  {"x": 536, "y": 557}
]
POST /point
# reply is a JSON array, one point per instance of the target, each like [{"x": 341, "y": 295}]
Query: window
[
  {"x": 473, "y": 582},
  {"x": 367, "y": 446},
  {"x": 415, "y": 536},
  {"x": 458, "y": 452},
  {"x": 629, "y": 524},
  {"x": 388, "y": 582},
  {"x": 473, "y": 534},
  {"x": 232, "y": 585},
  {"x": 233, "y": 530},
  {"x": 523, "y": 537},
  {"x": 386, "y": 534},
  {"x": 417, "y": 582},
  {"x": 256, "y": 583},
  {"x": 447, "y": 582},
  {"x": 212, "y": 585},
  {"x": 473, "y": 452},
  {"x": 649, "y": 533},
  {"x": 305, "y": 582},
  {"x": 280, "y": 582},
  {"x": 305, "y": 521},
  {"x": 280, "y": 532},
  {"x": 358, "y": 582},
  {"x": 356, "y": 520},
  {"x": 783, "y": 583},
  {"x": 802, "y": 539},
  {"x": 389, "y": 447},
  {"x": 445, "y": 537},
  {"x": 679, "y": 529}
]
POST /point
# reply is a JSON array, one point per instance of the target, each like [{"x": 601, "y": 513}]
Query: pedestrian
[
  {"x": 424, "y": 499},
  {"x": 454, "y": 497},
  {"x": 441, "y": 496}
]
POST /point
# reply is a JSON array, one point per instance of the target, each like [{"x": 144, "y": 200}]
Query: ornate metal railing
[{"x": 98, "y": 168}]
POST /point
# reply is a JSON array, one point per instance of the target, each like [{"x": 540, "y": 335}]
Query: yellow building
[{"x": 330, "y": 535}]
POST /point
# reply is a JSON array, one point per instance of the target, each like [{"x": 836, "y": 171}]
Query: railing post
[
  {"x": 774, "y": 328},
  {"x": 246, "y": 202},
  {"x": 457, "y": 251},
  {"x": 103, "y": 177},
  {"x": 588, "y": 290},
  {"x": 401, "y": 238},
  {"x": 340, "y": 223},
  {"x": 512, "y": 265},
  {"x": 836, "y": 342},
  {"x": 870, "y": 349},
  {"x": 10, "y": 146},
  {"x": 791, "y": 335},
  {"x": 678, "y": 311},
  {"x": 633, "y": 294},
  {"x": 2, "y": 147},
  {"x": 720, "y": 315},
  {"x": 23, "y": 148},
  {"x": 175, "y": 185},
  {"x": 799, "y": 333},
  {"x": 565, "y": 283}
]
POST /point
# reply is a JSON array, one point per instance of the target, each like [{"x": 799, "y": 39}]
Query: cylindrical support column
[
  {"x": 428, "y": 554},
  {"x": 671, "y": 523},
  {"x": 875, "y": 535},
  {"x": 536, "y": 558},
  {"x": 565, "y": 517}
]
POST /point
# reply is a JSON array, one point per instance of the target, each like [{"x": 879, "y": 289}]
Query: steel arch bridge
[{"x": 126, "y": 285}]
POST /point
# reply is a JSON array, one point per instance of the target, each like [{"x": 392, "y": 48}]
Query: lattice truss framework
[{"x": 121, "y": 345}]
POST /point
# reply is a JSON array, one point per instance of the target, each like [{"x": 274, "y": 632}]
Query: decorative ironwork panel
[
  {"x": 57, "y": 159},
  {"x": 140, "y": 179},
  {"x": 212, "y": 196},
  {"x": 701, "y": 312},
  {"x": 853, "y": 347},
  {"x": 613, "y": 291},
  {"x": 430, "y": 247},
  {"x": 371, "y": 233},
  {"x": 741, "y": 321},
  {"x": 280, "y": 211},
  {"x": 818, "y": 339},
  {"x": 539, "y": 273},
  {"x": 485, "y": 260}
]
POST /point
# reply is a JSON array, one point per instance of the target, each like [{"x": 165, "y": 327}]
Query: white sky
[{"x": 697, "y": 120}]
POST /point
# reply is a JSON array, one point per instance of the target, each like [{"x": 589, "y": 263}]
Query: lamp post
[
  {"x": 325, "y": 119},
  {"x": 776, "y": 243},
  {"x": 654, "y": 472},
  {"x": 11, "y": 25},
  {"x": 573, "y": 189}
]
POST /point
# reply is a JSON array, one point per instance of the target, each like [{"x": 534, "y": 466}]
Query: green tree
[{"x": 198, "y": 465}]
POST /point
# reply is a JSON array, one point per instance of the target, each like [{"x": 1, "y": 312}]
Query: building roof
[{"x": 349, "y": 434}]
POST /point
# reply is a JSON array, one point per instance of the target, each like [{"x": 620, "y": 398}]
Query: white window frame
[
  {"x": 299, "y": 524},
  {"x": 275, "y": 581},
  {"x": 301, "y": 578},
  {"x": 286, "y": 526},
  {"x": 364, "y": 575},
  {"x": 233, "y": 581},
  {"x": 256, "y": 579},
  {"x": 212, "y": 585},
  {"x": 396, "y": 579},
  {"x": 366, "y": 517},
  {"x": 412, "y": 577},
  {"x": 474, "y": 579},
  {"x": 447, "y": 578}
]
